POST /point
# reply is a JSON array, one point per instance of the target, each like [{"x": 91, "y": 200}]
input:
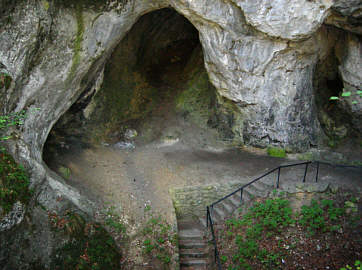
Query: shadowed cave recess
[{"x": 154, "y": 83}]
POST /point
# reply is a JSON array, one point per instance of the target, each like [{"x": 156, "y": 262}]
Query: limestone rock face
[
  {"x": 346, "y": 14},
  {"x": 260, "y": 54},
  {"x": 289, "y": 19},
  {"x": 351, "y": 72}
]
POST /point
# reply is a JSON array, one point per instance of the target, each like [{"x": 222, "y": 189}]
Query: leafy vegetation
[
  {"x": 321, "y": 216},
  {"x": 89, "y": 245},
  {"x": 357, "y": 266},
  {"x": 159, "y": 239},
  {"x": 269, "y": 234},
  {"x": 113, "y": 221},
  {"x": 264, "y": 218},
  {"x": 14, "y": 183},
  {"x": 7, "y": 121},
  {"x": 346, "y": 94}
]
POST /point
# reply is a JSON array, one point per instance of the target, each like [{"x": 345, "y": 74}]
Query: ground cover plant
[
  {"x": 14, "y": 183},
  {"x": 89, "y": 245},
  {"x": 159, "y": 241},
  {"x": 272, "y": 233}
]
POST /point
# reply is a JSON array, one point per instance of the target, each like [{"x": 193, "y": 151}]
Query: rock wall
[
  {"x": 260, "y": 54},
  {"x": 192, "y": 201}
]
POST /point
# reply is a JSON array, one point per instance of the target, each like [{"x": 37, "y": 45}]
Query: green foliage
[
  {"x": 320, "y": 217},
  {"x": 14, "y": 183},
  {"x": 113, "y": 220},
  {"x": 90, "y": 248},
  {"x": 276, "y": 152},
  {"x": 65, "y": 172},
  {"x": 159, "y": 239},
  {"x": 357, "y": 266},
  {"x": 7, "y": 121},
  {"x": 347, "y": 94},
  {"x": 245, "y": 238},
  {"x": 261, "y": 220}
]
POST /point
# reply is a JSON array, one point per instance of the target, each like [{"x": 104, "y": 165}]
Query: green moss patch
[
  {"x": 276, "y": 152},
  {"x": 197, "y": 98},
  {"x": 14, "y": 183}
]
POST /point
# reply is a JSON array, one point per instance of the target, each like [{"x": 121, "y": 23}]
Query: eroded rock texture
[{"x": 261, "y": 55}]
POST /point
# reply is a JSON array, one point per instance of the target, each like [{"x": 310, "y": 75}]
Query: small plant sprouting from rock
[
  {"x": 347, "y": 94},
  {"x": 10, "y": 120}
]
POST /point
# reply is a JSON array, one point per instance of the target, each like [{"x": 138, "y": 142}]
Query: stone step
[
  {"x": 194, "y": 253},
  {"x": 218, "y": 214},
  {"x": 191, "y": 244},
  {"x": 191, "y": 234},
  {"x": 255, "y": 191},
  {"x": 202, "y": 221},
  {"x": 199, "y": 267},
  {"x": 227, "y": 206},
  {"x": 195, "y": 262},
  {"x": 268, "y": 183},
  {"x": 235, "y": 200}
]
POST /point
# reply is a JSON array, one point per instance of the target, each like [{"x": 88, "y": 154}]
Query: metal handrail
[{"x": 209, "y": 221}]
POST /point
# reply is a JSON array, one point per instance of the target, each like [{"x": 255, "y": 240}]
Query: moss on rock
[{"x": 276, "y": 152}]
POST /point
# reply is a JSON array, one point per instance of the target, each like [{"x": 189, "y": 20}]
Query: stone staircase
[
  {"x": 193, "y": 243},
  {"x": 193, "y": 246},
  {"x": 227, "y": 207}
]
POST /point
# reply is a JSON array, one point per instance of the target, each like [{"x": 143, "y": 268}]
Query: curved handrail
[{"x": 209, "y": 220}]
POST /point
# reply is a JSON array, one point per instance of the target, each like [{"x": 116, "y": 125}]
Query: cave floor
[
  {"x": 183, "y": 154},
  {"x": 132, "y": 178}
]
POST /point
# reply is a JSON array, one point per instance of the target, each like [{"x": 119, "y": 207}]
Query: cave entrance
[
  {"x": 327, "y": 83},
  {"x": 154, "y": 86}
]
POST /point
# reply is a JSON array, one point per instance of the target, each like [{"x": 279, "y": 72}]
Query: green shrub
[
  {"x": 276, "y": 152},
  {"x": 357, "y": 266},
  {"x": 14, "y": 183},
  {"x": 320, "y": 217},
  {"x": 90, "y": 247}
]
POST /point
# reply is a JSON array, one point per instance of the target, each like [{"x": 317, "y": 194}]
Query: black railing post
[
  {"x": 207, "y": 216},
  {"x": 316, "y": 176},
  {"x": 217, "y": 259},
  {"x": 305, "y": 172},
  {"x": 278, "y": 176},
  {"x": 241, "y": 195}
]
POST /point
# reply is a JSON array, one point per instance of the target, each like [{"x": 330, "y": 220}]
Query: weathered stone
[
  {"x": 260, "y": 55},
  {"x": 289, "y": 19},
  {"x": 14, "y": 217},
  {"x": 347, "y": 14}
]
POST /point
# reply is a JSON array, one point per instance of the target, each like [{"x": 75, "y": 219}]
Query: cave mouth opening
[
  {"x": 328, "y": 83},
  {"x": 152, "y": 83}
]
